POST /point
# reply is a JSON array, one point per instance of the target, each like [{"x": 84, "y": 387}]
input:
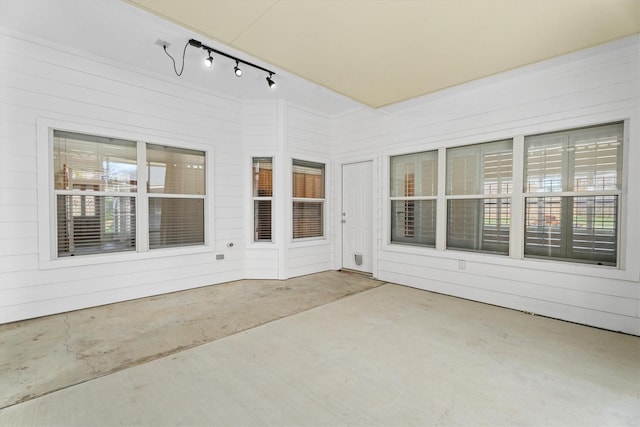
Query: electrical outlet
[{"x": 162, "y": 43}]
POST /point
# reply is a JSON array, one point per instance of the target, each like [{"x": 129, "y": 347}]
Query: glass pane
[
  {"x": 308, "y": 179},
  {"x": 480, "y": 169},
  {"x": 89, "y": 224},
  {"x": 413, "y": 222},
  {"x": 582, "y": 229},
  {"x": 597, "y": 158},
  {"x": 175, "y": 222},
  {"x": 544, "y": 163},
  {"x": 414, "y": 174},
  {"x": 175, "y": 170},
  {"x": 578, "y": 160},
  {"x": 307, "y": 219},
  {"x": 479, "y": 225},
  {"x": 262, "y": 220},
  {"x": 262, "y": 177},
  {"x": 87, "y": 162}
]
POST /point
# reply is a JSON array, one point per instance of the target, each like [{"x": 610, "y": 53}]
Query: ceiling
[{"x": 380, "y": 52}]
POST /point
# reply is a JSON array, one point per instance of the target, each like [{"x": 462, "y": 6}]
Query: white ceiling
[{"x": 380, "y": 52}]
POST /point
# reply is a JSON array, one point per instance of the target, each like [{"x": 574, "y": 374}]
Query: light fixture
[
  {"x": 208, "y": 61},
  {"x": 237, "y": 70},
  {"x": 270, "y": 81}
]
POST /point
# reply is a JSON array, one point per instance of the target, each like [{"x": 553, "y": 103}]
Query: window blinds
[
  {"x": 479, "y": 185},
  {"x": 308, "y": 199},
  {"x": 414, "y": 186},
  {"x": 572, "y": 190},
  {"x": 262, "y": 192}
]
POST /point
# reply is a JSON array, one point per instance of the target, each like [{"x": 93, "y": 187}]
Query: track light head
[
  {"x": 237, "y": 70},
  {"x": 270, "y": 81},
  {"x": 208, "y": 62}
]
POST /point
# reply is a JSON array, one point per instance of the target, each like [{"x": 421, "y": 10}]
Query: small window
[
  {"x": 262, "y": 195},
  {"x": 414, "y": 188},
  {"x": 308, "y": 199},
  {"x": 479, "y": 185},
  {"x": 572, "y": 194}
]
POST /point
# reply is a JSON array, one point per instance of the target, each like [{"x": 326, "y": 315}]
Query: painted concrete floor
[
  {"x": 46, "y": 354},
  {"x": 390, "y": 355}
]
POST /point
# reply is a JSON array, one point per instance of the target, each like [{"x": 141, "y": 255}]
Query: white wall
[
  {"x": 596, "y": 86},
  {"x": 286, "y": 131},
  {"x": 47, "y": 84}
]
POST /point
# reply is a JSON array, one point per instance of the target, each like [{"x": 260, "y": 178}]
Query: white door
[{"x": 357, "y": 216}]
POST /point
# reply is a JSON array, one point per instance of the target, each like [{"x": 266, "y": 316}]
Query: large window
[
  {"x": 479, "y": 184},
  {"x": 97, "y": 195},
  {"x": 308, "y": 199},
  {"x": 572, "y": 194},
  {"x": 414, "y": 189},
  {"x": 262, "y": 194}
]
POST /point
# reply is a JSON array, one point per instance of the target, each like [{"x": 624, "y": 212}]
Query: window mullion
[
  {"x": 441, "y": 204},
  {"x": 516, "y": 227},
  {"x": 142, "y": 200}
]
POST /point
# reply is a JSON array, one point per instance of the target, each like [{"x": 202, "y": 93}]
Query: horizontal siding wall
[
  {"x": 308, "y": 137},
  {"x": 39, "y": 80},
  {"x": 261, "y": 138},
  {"x": 591, "y": 87}
]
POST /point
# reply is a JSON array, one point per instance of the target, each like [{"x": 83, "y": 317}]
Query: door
[{"x": 357, "y": 216}]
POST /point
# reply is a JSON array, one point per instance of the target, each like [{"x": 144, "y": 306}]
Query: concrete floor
[
  {"x": 390, "y": 355},
  {"x": 50, "y": 353}
]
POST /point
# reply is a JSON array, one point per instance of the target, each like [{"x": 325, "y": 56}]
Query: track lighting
[
  {"x": 270, "y": 81},
  {"x": 208, "y": 61}
]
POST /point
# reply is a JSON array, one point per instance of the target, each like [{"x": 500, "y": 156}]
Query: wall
[
  {"x": 286, "y": 131},
  {"x": 44, "y": 84},
  {"x": 595, "y": 86}
]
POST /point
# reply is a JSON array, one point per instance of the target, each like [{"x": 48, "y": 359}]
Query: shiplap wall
[
  {"x": 595, "y": 86},
  {"x": 262, "y": 138},
  {"x": 41, "y": 81},
  {"x": 308, "y": 137},
  {"x": 286, "y": 131}
]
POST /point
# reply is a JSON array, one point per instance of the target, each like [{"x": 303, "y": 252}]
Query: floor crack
[{"x": 67, "y": 344}]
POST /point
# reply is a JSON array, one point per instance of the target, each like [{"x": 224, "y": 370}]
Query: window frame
[
  {"x": 479, "y": 195},
  {"x": 412, "y": 199},
  {"x": 47, "y": 243},
  {"x": 570, "y": 194},
  {"x": 516, "y": 259},
  {"x": 322, "y": 200},
  {"x": 255, "y": 198}
]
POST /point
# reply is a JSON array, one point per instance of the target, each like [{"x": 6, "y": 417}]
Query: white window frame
[
  {"x": 47, "y": 243},
  {"x": 323, "y": 200},
  {"x": 271, "y": 199},
  {"x": 516, "y": 259}
]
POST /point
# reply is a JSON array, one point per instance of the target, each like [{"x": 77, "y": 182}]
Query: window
[
  {"x": 572, "y": 194},
  {"x": 97, "y": 195},
  {"x": 262, "y": 194},
  {"x": 308, "y": 199},
  {"x": 479, "y": 184},
  {"x": 176, "y": 189},
  {"x": 414, "y": 188}
]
